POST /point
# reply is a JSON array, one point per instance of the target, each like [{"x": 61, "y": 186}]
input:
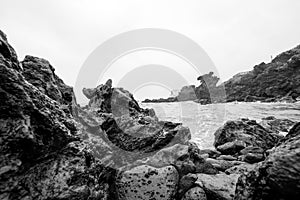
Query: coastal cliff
[{"x": 277, "y": 81}]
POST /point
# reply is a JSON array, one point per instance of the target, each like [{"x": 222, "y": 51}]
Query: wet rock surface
[
  {"x": 277, "y": 125},
  {"x": 237, "y": 135},
  {"x": 278, "y": 176}
]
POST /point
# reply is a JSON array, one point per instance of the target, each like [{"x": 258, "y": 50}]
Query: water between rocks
[{"x": 204, "y": 120}]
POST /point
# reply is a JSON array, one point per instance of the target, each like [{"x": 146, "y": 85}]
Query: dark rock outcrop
[
  {"x": 278, "y": 176},
  {"x": 275, "y": 81},
  {"x": 51, "y": 148},
  {"x": 208, "y": 91},
  {"x": 276, "y": 125},
  {"x": 187, "y": 93},
  {"x": 40, "y": 150},
  {"x": 41, "y": 74},
  {"x": 237, "y": 135}
]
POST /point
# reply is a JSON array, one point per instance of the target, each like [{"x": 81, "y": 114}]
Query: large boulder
[
  {"x": 278, "y": 176},
  {"x": 168, "y": 155},
  {"x": 219, "y": 186},
  {"x": 187, "y": 93},
  {"x": 195, "y": 193},
  {"x": 275, "y": 125},
  {"x": 233, "y": 136},
  {"x": 71, "y": 174},
  {"x": 146, "y": 182},
  {"x": 107, "y": 99}
]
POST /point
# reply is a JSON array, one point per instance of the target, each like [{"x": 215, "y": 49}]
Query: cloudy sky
[{"x": 235, "y": 34}]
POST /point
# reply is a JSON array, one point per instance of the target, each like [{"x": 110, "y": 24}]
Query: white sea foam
[{"x": 204, "y": 120}]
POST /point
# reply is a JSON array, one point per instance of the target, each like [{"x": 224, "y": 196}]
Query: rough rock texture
[
  {"x": 219, "y": 186},
  {"x": 278, "y": 80},
  {"x": 268, "y": 82},
  {"x": 51, "y": 148},
  {"x": 295, "y": 131},
  {"x": 168, "y": 155},
  {"x": 196, "y": 193},
  {"x": 277, "y": 125},
  {"x": 146, "y": 182},
  {"x": 111, "y": 100},
  {"x": 40, "y": 73},
  {"x": 40, "y": 152},
  {"x": 186, "y": 182},
  {"x": 237, "y": 135},
  {"x": 8, "y": 54},
  {"x": 278, "y": 176},
  {"x": 187, "y": 93},
  {"x": 208, "y": 91}
]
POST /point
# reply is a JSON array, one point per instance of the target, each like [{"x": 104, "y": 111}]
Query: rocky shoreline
[
  {"x": 51, "y": 148},
  {"x": 277, "y": 81}
]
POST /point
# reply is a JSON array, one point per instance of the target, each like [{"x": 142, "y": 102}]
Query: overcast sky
[{"x": 236, "y": 34}]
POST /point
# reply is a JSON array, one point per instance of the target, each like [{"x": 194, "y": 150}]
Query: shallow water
[{"x": 204, "y": 120}]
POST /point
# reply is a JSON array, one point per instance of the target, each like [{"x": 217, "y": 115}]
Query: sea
[{"x": 204, "y": 120}]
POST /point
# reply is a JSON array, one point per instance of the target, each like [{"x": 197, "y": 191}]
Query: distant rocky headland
[
  {"x": 51, "y": 148},
  {"x": 277, "y": 81}
]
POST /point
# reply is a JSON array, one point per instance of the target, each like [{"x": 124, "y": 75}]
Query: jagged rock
[
  {"x": 196, "y": 193},
  {"x": 278, "y": 176},
  {"x": 252, "y": 154},
  {"x": 185, "y": 183},
  {"x": 232, "y": 147},
  {"x": 167, "y": 135},
  {"x": 208, "y": 91},
  {"x": 112, "y": 100},
  {"x": 40, "y": 73},
  {"x": 7, "y": 53},
  {"x": 276, "y": 125},
  {"x": 194, "y": 163},
  {"x": 295, "y": 130},
  {"x": 272, "y": 81},
  {"x": 245, "y": 132},
  {"x": 146, "y": 182},
  {"x": 278, "y": 80},
  {"x": 219, "y": 186},
  {"x": 39, "y": 156},
  {"x": 187, "y": 93},
  {"x": 68, "y": 175}
]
